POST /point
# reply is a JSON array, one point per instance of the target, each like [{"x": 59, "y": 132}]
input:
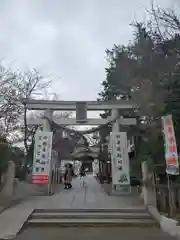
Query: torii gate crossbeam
[{"x": 33, "y": 104}]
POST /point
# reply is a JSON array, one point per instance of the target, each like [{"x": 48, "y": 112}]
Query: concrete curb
[
  {"x": 154, "y": 213},
  {"x": 10, "y": 224},
  {"x": 167, "y": 225}
]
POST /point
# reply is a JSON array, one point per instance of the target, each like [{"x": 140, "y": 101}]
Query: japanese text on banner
[{"x": 42, "y": 157}]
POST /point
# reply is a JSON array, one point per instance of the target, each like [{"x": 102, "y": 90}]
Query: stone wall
[{"x": 8, "y": 188}]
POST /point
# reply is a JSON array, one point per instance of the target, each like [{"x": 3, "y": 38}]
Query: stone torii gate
[{"x": 81, "y": 108}]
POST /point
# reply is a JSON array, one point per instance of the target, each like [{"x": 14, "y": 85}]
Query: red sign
[
  {"x": 171, "y": 161},
  {"x": 171, "y": 137},
  {"x": 40, "y": 179},
  {"x": 171, "y": 155}
]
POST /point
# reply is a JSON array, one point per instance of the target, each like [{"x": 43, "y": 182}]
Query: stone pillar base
[{"x": 118, "y": 190}]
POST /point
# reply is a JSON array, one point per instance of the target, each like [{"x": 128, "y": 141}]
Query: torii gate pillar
[
  {"x": 117, "y": 189},
  {"x": 46, "y": 125}
]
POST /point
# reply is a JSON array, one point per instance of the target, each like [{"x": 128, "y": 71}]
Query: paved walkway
[
  {"x": 90, "y": 196},
  {"x": 93, "y": 196},
  {"x": 114, "y": 233}
]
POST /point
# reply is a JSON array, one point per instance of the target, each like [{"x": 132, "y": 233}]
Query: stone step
[
  {"x": 94, "y": 210},
  {"x": 135, "y": 217},
  {"x": 92, "y": 215},
  {"x": 66, "y": 222}
]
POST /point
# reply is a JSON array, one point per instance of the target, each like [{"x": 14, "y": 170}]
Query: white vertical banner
[
  {"x": 42, "y": 157},
  {"x": 111, "y": 151},
  {"x": 120, "y": 160}
]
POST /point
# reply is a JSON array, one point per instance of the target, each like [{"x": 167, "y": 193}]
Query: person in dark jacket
[
  {"x": 82, "y": 172},
  {"x": 65, "y": 177},
  {"x": 68, "y": 174}
]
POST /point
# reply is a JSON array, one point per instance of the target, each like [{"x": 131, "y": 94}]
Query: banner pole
[{"x": 169, "y": 183}]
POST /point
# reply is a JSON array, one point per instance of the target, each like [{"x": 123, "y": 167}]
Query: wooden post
[{"x": 169, "y": 183}]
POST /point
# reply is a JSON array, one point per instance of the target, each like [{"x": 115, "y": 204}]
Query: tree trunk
[{"x": 25, "y": 130}]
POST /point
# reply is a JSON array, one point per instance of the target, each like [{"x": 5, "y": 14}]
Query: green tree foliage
[{"x": 147, "y": 71}]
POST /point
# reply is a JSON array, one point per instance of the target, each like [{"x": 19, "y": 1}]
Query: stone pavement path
[
  {"x": 91, "y": 196},
  {"x": 113, "y": 233}
]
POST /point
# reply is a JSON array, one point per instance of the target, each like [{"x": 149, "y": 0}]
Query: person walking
[
  {"x": 70, "y": 174},
  {"x": 65, "y": 176},
  {"x": 82, "y": 172}
]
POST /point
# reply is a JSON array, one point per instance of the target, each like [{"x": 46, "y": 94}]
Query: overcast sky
[{"x": 66, "y": 39}]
